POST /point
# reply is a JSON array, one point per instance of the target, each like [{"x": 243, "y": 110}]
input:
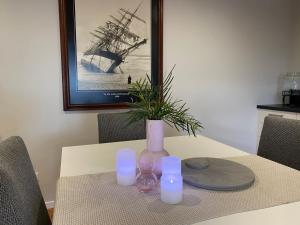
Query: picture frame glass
[{"x": 113, "y": 44}]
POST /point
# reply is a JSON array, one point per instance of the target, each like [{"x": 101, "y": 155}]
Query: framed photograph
[{"x": 105, "y": 46}]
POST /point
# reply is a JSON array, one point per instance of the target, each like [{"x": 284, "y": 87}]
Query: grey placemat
[
  {"x": 97, "y": 200},
  {"x": 217, "y": 174}
]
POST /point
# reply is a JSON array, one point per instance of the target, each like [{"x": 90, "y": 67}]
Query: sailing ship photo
[{"x": 113, "y": 43}]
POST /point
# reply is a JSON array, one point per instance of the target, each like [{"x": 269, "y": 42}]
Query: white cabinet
[{"x": 262, "y": 113}]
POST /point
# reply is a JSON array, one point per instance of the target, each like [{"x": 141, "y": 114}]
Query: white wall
[
  {"x": 228, "y": 55},
  {"x": 30, "y": 88}
]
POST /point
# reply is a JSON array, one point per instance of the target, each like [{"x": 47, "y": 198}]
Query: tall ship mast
[{"x": 114, "y": 42}]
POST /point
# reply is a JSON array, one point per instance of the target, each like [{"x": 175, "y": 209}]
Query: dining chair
[
  {"x": 21, "y": 201},
  {"x": 114, "y": 127},
  {"x": 280, "y": 141}
]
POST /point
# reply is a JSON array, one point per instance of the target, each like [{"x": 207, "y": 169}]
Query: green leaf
[{"x": 157, "y": 103}]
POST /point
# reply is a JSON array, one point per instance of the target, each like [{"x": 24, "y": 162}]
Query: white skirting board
[{"x": 50, "y": 204}]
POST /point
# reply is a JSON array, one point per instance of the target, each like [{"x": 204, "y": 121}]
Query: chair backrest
[
  {"x": 114, "y": 127},
  {"x": 280, "y": 141},
  {"x": 21, "y": 201}
]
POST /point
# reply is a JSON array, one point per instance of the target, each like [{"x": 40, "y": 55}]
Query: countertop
[{"x": 281, "y": 107}]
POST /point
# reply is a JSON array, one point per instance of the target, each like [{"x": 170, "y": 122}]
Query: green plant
[{"x": 157, "y": 103}]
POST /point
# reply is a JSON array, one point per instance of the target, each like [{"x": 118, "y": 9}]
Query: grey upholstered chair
[
  {"x": 21, "y": 201},
  {"x": 114, "y": 127},
  {"x": 280, "y": 141}
]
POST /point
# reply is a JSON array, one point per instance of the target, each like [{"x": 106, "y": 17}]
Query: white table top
[{"x": 90, "y": 159}]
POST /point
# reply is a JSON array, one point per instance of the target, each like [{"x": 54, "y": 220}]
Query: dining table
[{"x": 78, "y": 161}]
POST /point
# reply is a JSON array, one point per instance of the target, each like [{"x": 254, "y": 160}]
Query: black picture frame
[{"x": 92, "y": 100}]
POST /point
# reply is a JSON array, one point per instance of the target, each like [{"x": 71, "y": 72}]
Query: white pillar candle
[
  {"x": 171, "y": 165},
  {"x": 171, "y": 182},
  {"x": 171, "y": 189},
  {"x": 126, "y": 167},
  {"x": 126, "y": 178}
]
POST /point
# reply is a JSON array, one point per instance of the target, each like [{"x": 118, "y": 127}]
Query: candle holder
[
  {"x": 171, "y": 182},
  {"x": 146, "y": 180},
  {"x": 126, "y": 167}
]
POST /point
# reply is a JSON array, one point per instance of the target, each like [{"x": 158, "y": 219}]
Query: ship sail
[{"x": 114, "y": 42}]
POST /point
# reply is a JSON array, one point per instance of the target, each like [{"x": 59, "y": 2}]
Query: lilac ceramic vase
[{"x": 155, "y": 146}]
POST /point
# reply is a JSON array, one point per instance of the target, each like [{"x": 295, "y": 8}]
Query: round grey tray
[{"x": 216, "y": 174}]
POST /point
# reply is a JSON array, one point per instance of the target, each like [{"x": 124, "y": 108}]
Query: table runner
[{"x": 98, "y": 200}]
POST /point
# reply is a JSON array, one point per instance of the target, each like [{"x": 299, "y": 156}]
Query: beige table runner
[{"x": 98, "y": 200}]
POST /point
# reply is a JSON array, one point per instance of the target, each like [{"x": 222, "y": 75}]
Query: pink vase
[{"x": 155, "y": 146}]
